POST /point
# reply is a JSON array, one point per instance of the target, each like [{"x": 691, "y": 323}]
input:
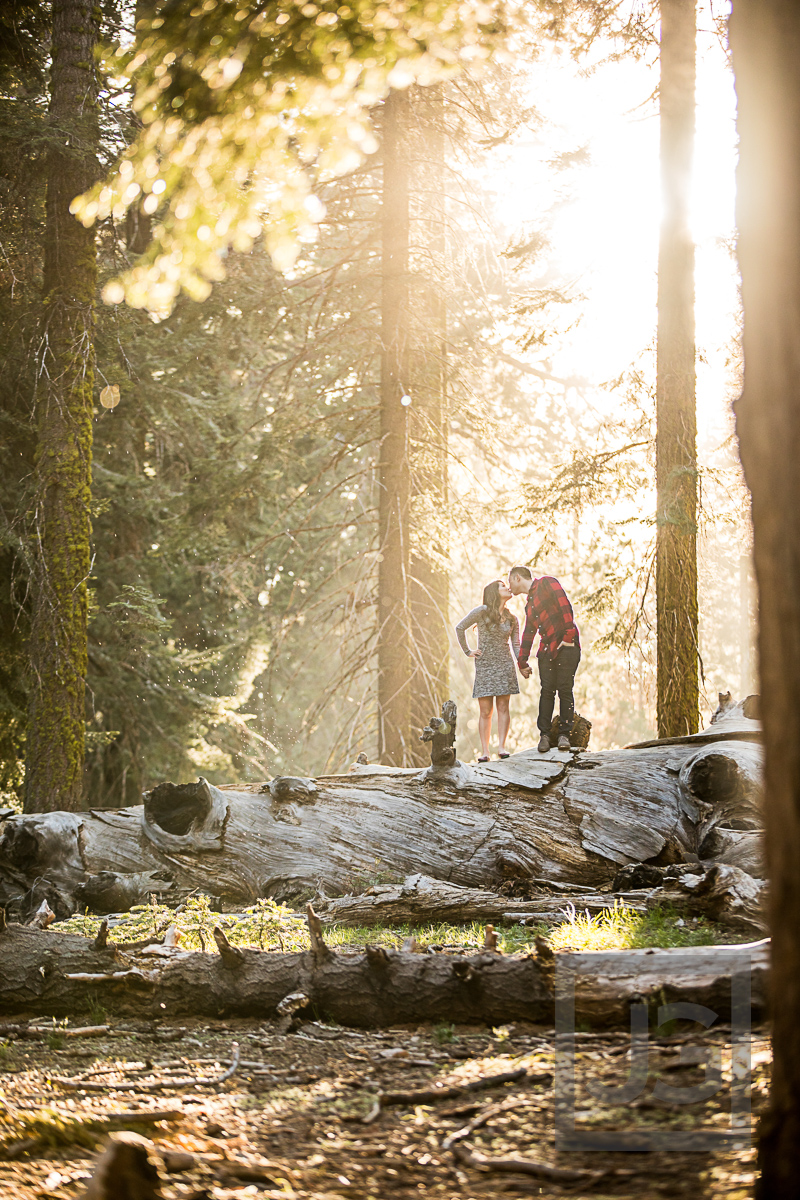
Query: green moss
[{"x": 55, "y": 752}]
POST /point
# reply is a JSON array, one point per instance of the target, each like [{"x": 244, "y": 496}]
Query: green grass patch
[
  {"x": 621, "y": 928},
  {"x": 266, "y": 925}
]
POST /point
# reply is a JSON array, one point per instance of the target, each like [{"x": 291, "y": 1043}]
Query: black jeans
[{"x": 558, "y": 675}]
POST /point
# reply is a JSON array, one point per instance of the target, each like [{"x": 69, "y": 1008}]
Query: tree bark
[
  {"x": 58, "y": 974},
  {"x": 394, "y": 616},
  {"x": 765, "y": 40},
  {"x": 676, "y": 433},
  {"x": 529, "y": 818},
  {"x": 61, "y": 527}
]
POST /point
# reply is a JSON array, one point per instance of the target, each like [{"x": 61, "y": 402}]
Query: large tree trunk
[
  {"x": 676, "y": 433},
  {"x": 765, "y": 38},
  {"x": 529, "y": 818},
  {"x": 61, "y": 531},
  {"x": 430, "y": 514},
  {"x": 394, "y": 587},
  {"x": 59, "y": 974}
]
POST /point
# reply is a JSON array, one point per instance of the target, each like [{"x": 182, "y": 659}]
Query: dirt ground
[{"x": 299, "y": 1116}]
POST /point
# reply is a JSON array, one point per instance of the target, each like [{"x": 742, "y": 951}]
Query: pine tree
[
  {"x": 60, "y": 518},
  {"x": 394, "y": 584},
  {"x": 413, "y": 641},
  {"x": 430, "y": 517},
  {"x": 24, "y": 34},
  {"x": 676, "y": 421}
]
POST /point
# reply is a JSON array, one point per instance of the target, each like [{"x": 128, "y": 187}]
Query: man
[{"x": 549, "y": 612}]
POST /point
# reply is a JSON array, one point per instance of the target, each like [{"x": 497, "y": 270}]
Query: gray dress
[{"x": 495, "y": 670}]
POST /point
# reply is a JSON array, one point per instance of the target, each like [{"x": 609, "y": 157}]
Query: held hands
[
  {"x": 475, "y": 654},
  {"x": 525, "y": 672}
]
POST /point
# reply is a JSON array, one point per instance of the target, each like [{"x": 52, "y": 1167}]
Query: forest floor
[{"x": 298, "y": 1118}]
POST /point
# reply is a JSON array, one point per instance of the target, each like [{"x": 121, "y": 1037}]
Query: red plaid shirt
[{"x": 549, "y": 612}]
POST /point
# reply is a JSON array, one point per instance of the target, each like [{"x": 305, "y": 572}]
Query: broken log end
[
  {"x": 377, "y": 957},
  {"x": 232, "y": 957},
  {"x": 43, "y": 916},
  {"x": 319, "y": 949},
  {"x": 544, "y": 951},
  {"x": 101, "y": 940}
]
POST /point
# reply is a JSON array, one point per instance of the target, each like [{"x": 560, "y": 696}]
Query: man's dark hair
[{"x": 525, "y": 572}]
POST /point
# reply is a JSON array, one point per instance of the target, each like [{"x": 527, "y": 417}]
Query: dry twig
[
  {"x": 151, "y": 1085},
  {"x": 429, "y": 1095}
]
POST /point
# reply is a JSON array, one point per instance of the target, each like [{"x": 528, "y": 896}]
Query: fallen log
[
  {"x": 44, "y": 972},
  {"x": 420, "y": 900},
  {"x": 723, "y": 894},
  {"x": 572, "y": 818}
]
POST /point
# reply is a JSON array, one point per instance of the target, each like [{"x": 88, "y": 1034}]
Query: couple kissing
[{"x": 500, "y": 653}]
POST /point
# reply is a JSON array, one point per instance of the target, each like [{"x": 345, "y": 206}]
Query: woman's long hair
[{"x": 491, "y": 598}]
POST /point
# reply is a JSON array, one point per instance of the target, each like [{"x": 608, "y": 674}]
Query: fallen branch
[
  {"x": 137, "y": 1116},
  {"x": 36, "y": 1033},
  {"x": 112, "y": 976},
  {"x": 523, "y": 1166},
  {"x": 51, "y": 1127},
  {"x": 483, "y": 1118},
  {"x": 463, "y": 1154},
  {"x": 250, "y": 1172},
  {"x": 420, "y": 900},
  {"x": 232, "y": 1069},
  {"x": 724, "y": 894},
  {"x": 430, "y": 1095},
  {"x": 150, "y": 1085}
]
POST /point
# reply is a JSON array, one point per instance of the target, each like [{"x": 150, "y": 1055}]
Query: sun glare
[{"x": 601, "y": 210}]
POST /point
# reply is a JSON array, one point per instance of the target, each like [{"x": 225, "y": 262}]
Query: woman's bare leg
[
  {"x": 486, "y": 704},
  {"x": 503, "y": 720}
]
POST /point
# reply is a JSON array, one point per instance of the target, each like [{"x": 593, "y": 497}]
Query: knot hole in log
[{"x": 179, "y": 808}]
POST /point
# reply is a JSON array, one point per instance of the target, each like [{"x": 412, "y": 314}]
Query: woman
[{"x": 495, "y": 666}]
